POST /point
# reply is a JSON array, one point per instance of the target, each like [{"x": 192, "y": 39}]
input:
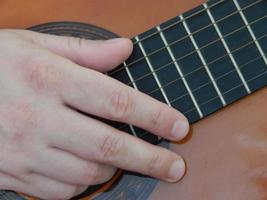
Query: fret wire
[
  {"x": 135, "y": 87},
  {"x": 192, "y": 109},
  {"x": 180, "y": 21},
  {"x": 203, "y": 62},
  {"x": 209, "y": 64},
  {"x": 220, "y": 77},
  {"x": 228, "y": 50},
  {"x": 153, "y": 73},
  {"x": 185, "y": 37},
  {"x": 130, "y": 76},
  {"x": 250, "y": 31},
  {"x": 223, "y": 75},
  {"x": 180, "y": 73},
  {"x": 241, "y": 66},
  {"x": 166, "y": 65},
  {"x": 252, "y": 79}
]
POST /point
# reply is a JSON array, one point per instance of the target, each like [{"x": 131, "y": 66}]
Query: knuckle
[
  {"x": 120, "y": 104},
  {"x": 37, "y": 73},
  {"x": 75, "y": 43},
  {"x": 154, "y": 164},
  {"x": 156, "y": 119},
  {"x": 34, "y": 78},
  {"x": 111, "y": 148},
  {"x": 40, "y": 76}
]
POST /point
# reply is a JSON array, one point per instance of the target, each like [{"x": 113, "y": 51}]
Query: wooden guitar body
[{"x": 226, "y": 153}]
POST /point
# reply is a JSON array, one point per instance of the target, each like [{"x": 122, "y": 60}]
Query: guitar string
[
  {"x": 241, "y": 67},
  {"x": 241, "y": 84},
  {"x": 220, "y": 77},
  {"x": 180, "y": 39},
  {"x": 191, "y": 53},
  {"x": 217, "y": 59},
  {"x": 180, "y": 21},
  {"x": 191, "y": 34},
  {"x": 201, "y": 67},
  {"x": 164, "y": 86},
  {"x": 206, "y": 27},
  {"x": 192, "y": 109},
  {"x": 259, "y": 57}
]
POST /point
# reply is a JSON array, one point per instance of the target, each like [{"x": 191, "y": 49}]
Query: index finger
[{"x": 103, "y": 96}]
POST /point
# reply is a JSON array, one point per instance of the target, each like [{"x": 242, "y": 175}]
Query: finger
[
  {"x": 103, "y": 96},
  {"x": 66, "y": 167},
  {"x": 96, "y": 141},
  {"x": 9, "y": 182},
  {"x": 47, "y": 188},
  {"x": 141, "y": 157},
  {"x": 98, "y": 55},
  {"x": 95, "y": 93},
  {"x": 40, "y": 186}
]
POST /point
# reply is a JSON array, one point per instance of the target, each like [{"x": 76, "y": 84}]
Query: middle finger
[
  {"x": 97, "y": 94},
  {"x": 95, "y": 141}
]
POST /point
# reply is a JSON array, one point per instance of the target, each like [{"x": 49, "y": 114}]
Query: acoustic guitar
[{"x": 210, "y": 58}]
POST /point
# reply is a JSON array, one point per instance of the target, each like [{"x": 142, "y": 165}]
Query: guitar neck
[{"x": 200, "y": 61}]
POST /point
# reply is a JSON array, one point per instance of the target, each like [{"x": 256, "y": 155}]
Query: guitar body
[{"x": 226, "y": 153}]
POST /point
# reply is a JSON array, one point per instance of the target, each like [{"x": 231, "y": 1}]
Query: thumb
[{"x": 101, "y": 55}]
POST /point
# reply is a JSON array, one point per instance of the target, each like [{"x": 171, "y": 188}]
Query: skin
[{"x": 44, "y": 81}]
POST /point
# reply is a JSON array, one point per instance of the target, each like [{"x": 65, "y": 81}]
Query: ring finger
[{"x": 66, "y": 167}]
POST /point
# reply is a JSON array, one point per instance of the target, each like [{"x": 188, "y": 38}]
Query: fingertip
[
  {"x": 114, "y": 52},
  {"x": 128, "y": 44},
  {"x": 180, "y": 128},
  {"x": 125, "y": 45},
  {"x": 176, "y": 170}
]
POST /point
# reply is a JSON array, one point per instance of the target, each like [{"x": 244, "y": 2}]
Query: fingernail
[
  {"x": 180, "y": 129},
  {"x": 114, "y": 40},
  {"x": 176, "y": 170}
]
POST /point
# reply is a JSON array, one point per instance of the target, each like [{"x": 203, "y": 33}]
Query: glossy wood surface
[
  {"x": 226, "y": 153},
  {"x": 124, "y": 17}
]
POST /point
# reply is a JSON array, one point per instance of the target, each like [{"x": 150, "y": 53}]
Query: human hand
[{"x": 50, "y": 150}]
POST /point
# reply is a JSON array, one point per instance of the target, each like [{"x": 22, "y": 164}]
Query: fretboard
[{"x": 200, "y": 61}]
